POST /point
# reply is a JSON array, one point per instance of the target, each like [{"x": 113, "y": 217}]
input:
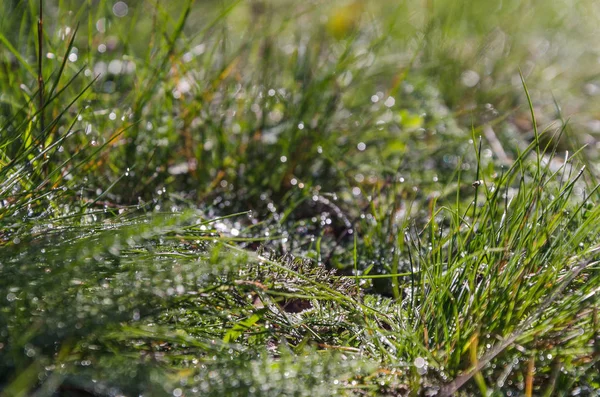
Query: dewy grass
[{"x": 273, "y": 198}]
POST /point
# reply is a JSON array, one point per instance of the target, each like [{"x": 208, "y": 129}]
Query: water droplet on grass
[
  {"x": 101, "y": 25},
  {"x": 470, "y": 78},
  {"x": 120, "y": 9},
  {"x": 419, "y": 362}
]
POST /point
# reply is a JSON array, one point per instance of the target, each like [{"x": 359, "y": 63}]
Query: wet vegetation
[{"x": 299, "y": 198}]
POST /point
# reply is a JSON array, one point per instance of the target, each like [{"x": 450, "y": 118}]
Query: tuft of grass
[{"x": 273, "y": 198}]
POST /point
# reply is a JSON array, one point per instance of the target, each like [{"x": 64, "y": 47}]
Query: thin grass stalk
[{"x": 40, "y": 76}]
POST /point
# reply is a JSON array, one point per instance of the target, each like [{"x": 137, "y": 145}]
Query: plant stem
[{"x": 40, "y": 76}]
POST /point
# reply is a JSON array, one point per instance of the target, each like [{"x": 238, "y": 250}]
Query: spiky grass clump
[{"x": 502, "y": 284}]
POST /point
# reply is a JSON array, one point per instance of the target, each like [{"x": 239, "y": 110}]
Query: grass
[{"x": 272, "y": 198}]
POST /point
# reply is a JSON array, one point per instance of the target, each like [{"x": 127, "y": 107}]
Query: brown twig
[{"x": 530, "y": 374}]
